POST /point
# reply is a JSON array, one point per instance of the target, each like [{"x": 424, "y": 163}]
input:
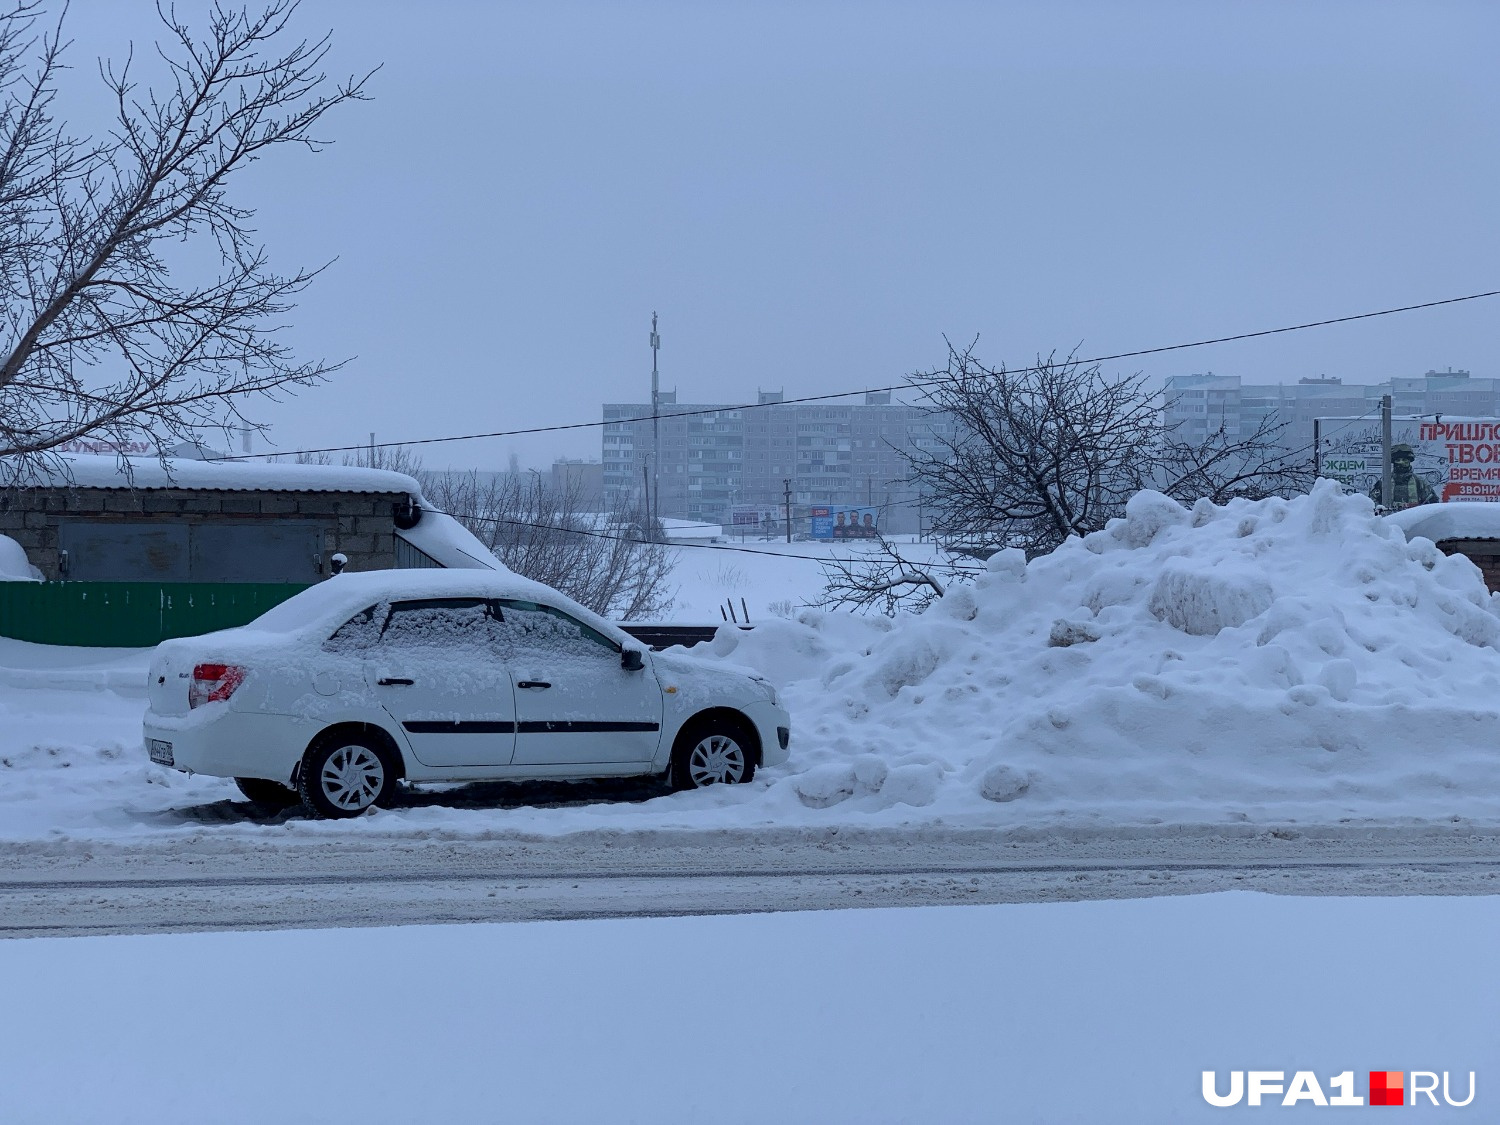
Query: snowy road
[{"x": 203, "y": 883}]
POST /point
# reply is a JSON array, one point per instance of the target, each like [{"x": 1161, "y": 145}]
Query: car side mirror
[{"x": 631, "y": 659}]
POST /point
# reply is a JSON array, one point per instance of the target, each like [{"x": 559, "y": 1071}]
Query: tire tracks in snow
[
  {"x": 354, "y": 879},
  {"x": 211, "y": 882}
]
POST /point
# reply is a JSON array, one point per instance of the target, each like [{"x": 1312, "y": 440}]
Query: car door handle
[
  {"x": 533, "y": 683},
  {"x": 394, "y": 681}
]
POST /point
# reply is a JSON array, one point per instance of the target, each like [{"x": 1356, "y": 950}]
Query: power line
[
  {"x": 1349, "y": 422},
  {"x": 918, "y": 384}
]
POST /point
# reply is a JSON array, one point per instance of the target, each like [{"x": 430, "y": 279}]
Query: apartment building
[
  {"x": 718, "y": 461},
  {"x": 1199, "y": 404}
]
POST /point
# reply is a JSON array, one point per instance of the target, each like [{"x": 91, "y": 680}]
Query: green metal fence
[{"x": 130, "y": 614}]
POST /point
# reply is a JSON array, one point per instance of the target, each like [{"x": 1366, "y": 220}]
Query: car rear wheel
[
  {"x": 344, "y": 777},
  {"x": 267, "y": 794},
  {"x": 716, "y": 752}
]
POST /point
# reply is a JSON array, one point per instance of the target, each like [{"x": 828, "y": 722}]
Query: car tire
[
  {"x": 712, "y": 752},
  {"x": 267, "y": 794},
  {"x": 345, "y": 776}
]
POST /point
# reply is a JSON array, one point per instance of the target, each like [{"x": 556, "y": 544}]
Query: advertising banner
[
  {"x": 840, "y": 522},
  {"x": 1431, "y": 461}
]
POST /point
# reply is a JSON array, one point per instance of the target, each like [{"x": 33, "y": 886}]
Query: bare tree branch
[
  {"x": 110, "y": 328},
  {"x": 1056, "y": 450},
  {"x": 606, "y": 561},
  {"x": 883, "y": 579}
]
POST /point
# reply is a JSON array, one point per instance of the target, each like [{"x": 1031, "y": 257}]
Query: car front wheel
[
  {"x": 344, "y": 776},
  {"x": 712, "y": 753}
]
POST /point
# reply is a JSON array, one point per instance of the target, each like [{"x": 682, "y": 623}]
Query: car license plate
[{"x": 161, "y": 752}]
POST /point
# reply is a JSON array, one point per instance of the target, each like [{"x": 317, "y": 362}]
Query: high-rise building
[
  {"x": 718, "y": 460},
  {"x": 1197, "y": 405}
]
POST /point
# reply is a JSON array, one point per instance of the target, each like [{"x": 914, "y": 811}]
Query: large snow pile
[{"x": 1284, "y": 660}]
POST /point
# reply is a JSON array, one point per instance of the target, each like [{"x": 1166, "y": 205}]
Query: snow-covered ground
[
  {"x": 1287, "y": 689},
  {"x": 775, "y": 578},
  {"x": 1284, "y": 662},
  {"x": 1073, "y": 1012}
]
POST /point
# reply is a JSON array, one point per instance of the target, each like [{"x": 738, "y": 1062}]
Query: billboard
[
  {"x": 841, "y": 522},
  {"x": 1431, "y": 461}
]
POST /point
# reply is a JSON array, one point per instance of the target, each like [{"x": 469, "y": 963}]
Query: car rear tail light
[{"x": 214, "y": 683}]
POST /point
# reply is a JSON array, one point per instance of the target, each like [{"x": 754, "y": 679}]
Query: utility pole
[
  {"x": 648, "y": 533},
  {"x": 1387, "y": 478},
  {"x": 786, "y": 491},
  {"x": 655, "y": 426}
]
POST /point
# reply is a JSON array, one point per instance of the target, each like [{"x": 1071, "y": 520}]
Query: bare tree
[
  {"x": 137, "y": 300},
  {"x": 610, "y": 562},
  {"x": 884, "y": 579},
  {"x": 605, "y": 561},
  {"x": 394, "y": 458},
  {"x": 1056, "y": 450},
  {"x": 1223, "y": 466}
]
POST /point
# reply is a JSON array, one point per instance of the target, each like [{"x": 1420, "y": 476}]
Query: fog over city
[{"x": 812, "y": 195}]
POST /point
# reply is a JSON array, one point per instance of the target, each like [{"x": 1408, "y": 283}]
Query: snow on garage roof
[
  {"x": 1458, "y": 519},
  {"x": 449, "y": 543},
  {"x": 89, "y": 470},
  {"x": 437, "y": 535}
]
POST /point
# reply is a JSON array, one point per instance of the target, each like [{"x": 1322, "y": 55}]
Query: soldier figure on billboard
[{"x": 1408, "y": 488}]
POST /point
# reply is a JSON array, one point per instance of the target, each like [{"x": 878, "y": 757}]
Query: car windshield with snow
[{"x": 341, "y": 692}]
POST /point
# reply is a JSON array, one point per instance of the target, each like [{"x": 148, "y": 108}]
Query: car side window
[
  {"x": 537, "y": 630},
  {"x": 360, "y": 632},
  {"x": 449, "y": 625}
]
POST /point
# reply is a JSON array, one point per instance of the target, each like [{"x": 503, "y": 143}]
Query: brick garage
[{"x": 202, "y": 522}]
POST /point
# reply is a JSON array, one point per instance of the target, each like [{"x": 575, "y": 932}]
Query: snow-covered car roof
[
  {"x": 92, "y": 470},
  {"x": 1458, "y": 519},
  {"x": 327, "y": 605}
]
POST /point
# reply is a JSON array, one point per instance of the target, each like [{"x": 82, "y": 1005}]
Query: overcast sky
[{"x": 812, "y": 195}]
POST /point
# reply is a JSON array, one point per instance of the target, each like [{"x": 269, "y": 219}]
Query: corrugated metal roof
[{"x": 85, "y": 470}]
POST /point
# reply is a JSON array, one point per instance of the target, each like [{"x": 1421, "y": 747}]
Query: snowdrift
[
  {"x": 1281, "y": 660},
  {"x": 14, "y": 566}
]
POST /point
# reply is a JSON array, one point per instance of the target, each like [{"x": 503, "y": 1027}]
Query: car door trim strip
[
  {"x": 557, "y": 726},
  {"x": 542, "y": 726},
  {"x": 467, "y": 726}
]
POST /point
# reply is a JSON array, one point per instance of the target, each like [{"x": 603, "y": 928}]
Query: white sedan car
[{"x": 446, "y": 675}]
